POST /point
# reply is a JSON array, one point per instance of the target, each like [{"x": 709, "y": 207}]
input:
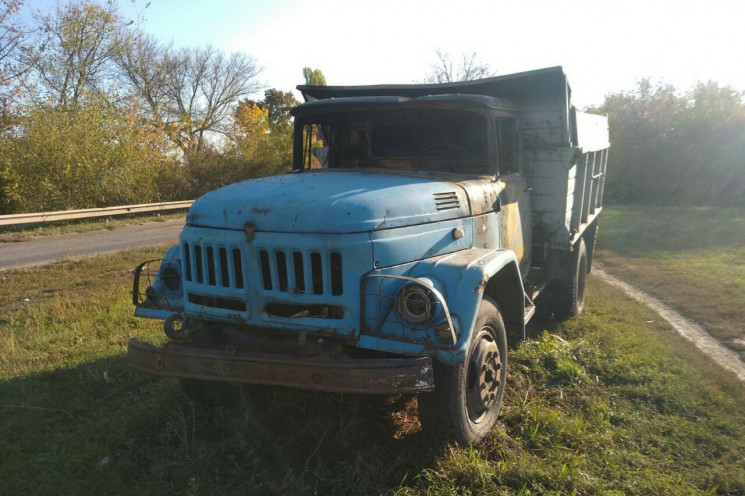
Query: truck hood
[{"x": 330, "y": 202}]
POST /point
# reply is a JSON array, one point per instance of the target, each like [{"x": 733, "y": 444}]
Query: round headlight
[
  {"x": 171, "y": 278},
  {"x": 415, "y": 303}
]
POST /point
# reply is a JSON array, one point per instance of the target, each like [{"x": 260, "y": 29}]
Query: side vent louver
[{"x": 446, "y": 201}]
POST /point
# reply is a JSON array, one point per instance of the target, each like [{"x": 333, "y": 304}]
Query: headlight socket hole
[
  {"x": 171, "y": 278},
  {"x": 415, "y": 303}
]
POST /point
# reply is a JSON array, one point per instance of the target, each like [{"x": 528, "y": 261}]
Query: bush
[{"x": 91, "y": 156}]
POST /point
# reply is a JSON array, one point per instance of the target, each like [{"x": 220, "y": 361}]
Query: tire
[
  {"x": 468, "y": 396},
  {"x": 568, "y": 295},
  {"x": 212, "y": 393}
]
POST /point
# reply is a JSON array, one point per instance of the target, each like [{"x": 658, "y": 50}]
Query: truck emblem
[{"x": 250, "y": 229}]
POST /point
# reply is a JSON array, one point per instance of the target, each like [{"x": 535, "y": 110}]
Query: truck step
[{"x": 529, "y": 312}]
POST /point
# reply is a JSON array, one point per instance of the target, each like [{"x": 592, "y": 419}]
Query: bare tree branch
[
  {"x": 444, "y": 70},
  {"x": 190, "y": 92}
]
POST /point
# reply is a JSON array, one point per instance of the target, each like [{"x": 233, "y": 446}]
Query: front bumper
[{"x": 366, "y": 375}]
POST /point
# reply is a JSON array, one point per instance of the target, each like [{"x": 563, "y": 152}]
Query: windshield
[{"x": 403, "y": 139}]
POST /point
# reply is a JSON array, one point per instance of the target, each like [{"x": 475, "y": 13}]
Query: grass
[
  {"x": 693, "y": 258},
  {"x": 615, "y": 403},
  {"x": 11, "y": 234}
]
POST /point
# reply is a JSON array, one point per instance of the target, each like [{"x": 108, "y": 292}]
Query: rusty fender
[
  {"x": 466, "y": 274},
  {"x": 367, "y": 375}
]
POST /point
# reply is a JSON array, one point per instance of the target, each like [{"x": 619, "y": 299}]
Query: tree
[
  {"x": 12, "y": 64},
  {"x": 78, "y": 45},
  {"x": 444, "y": 70},
  {"x": 277, "y": 105},
  {"x": 672, "y": 147},
  {"x": 190, "y": 92},
  {"x": 264, "y": 133},
  {"x": 145, "y": 67},
  {"x": 11, "y": 39},
  {"x": 251, "y": 120},
  {"x": 314, "y": 77}
]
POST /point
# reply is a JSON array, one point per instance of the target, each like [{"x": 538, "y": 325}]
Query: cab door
[{"x": 515, "y": 221}]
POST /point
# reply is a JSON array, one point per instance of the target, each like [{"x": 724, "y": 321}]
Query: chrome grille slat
[
  {"x": 213, "y": 265},
  {"x": 308, "y": 276},
  {"x": 279, "y": 270}
]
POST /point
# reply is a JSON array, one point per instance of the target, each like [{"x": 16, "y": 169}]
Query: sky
[{"x": 604, "y": 46}]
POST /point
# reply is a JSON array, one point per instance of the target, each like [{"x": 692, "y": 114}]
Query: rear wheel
[
  {"x": 568, "y": 295},
  {"x": 468, "y": 395}
]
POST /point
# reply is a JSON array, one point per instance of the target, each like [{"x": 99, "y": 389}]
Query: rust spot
[
  {"x": 482, "y": 284},
  {"x": 261, "y": 211},
  {"x": 237, "y": 317},
  {"x": 250, "y": 229}
]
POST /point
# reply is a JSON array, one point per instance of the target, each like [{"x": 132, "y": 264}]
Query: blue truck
[{"x": 414, "y": 237}]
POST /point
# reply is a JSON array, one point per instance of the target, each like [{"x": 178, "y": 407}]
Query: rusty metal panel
[{"x": 367, "y": 375}]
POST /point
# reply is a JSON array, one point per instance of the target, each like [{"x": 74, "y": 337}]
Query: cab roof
[
  {"x": 356, "y": 103},
  {"x": 540, "y": 84}
]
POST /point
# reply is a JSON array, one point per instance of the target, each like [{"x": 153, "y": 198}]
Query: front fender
[{"x": 466, "y": 274}]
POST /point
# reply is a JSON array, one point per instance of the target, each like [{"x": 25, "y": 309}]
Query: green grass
[
  {"x": 11, "y": 234},
  {"x": 611, "y": 404},
  {"x": 693, "y": 258}
]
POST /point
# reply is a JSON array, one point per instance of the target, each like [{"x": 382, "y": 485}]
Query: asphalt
[{"x": 46, "y": 249}]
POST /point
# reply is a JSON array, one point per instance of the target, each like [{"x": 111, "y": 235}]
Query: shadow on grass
[{"x": 100, "y": 427}]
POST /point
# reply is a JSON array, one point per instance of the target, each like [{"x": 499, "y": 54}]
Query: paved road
[{"x": 45, "y": 249}]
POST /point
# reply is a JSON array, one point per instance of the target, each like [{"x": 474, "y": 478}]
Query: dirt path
[{"x": 689, "y": 330}]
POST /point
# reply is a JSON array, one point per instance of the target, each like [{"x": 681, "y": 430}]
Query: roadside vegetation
[
  {"x": 615, "y": 403},
  {"x": 95, "y": 111},
  {"x": 692, "y": 258}
]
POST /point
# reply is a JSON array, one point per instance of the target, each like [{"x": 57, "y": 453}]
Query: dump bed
[{"x": 564, "y": 151}]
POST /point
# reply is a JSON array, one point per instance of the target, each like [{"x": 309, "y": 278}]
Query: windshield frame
[{"x": 457, "y": 103}]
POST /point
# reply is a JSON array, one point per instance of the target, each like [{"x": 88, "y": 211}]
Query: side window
[
  {"x": 507, "y": 146},
  {"x": 315, "y": 151}
]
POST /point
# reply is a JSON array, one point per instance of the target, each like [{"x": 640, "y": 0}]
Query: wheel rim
[{"x": 484, "y": 376}]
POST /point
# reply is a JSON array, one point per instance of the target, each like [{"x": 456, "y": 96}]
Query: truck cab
[{"x": 401, "y": 254}]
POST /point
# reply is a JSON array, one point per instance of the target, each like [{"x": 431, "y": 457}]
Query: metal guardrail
[{"x": 90, "y": 213}]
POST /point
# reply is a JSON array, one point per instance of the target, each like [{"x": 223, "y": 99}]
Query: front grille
[
  {"x": 216, "y": 302},
  {"x": 301, "y": 272},
  {"x": 446, "y": 201},
  {"x": 210, "y": 265}
]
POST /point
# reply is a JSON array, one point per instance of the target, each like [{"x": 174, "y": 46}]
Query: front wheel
[{"x": 468, "y": 395}]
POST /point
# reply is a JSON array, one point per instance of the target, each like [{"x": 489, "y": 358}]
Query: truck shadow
[{"x": 148, "y": 435}]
